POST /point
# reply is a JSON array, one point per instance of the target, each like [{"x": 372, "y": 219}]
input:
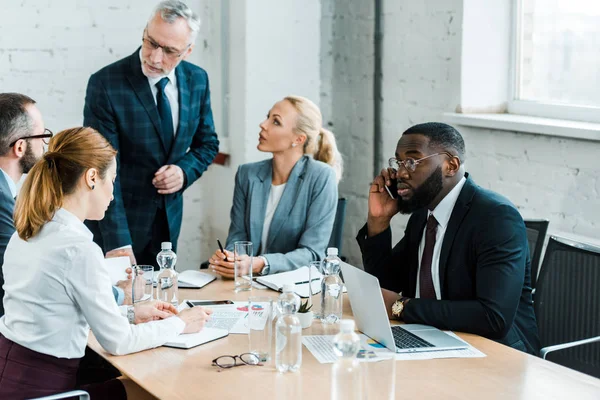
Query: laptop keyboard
[{"x": 406, "y": 340}]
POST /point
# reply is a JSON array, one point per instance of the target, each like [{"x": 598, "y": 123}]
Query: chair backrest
[
  {"x": 536, "y": 234},
  {"x": 338, "y": 226},
  {"x": 567, "y": 302}
]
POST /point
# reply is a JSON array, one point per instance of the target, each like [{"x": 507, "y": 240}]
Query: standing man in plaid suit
[{"x": 155, "y": 110}]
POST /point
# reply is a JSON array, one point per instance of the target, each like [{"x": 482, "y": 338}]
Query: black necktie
[
  {"x": 426, "y": 288},
  {"x": 164, "y": 110}
]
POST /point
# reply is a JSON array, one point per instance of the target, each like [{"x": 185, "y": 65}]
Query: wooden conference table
[{"x": 170, "y": 373}]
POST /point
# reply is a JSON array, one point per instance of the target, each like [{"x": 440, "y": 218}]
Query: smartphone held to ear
[{"x": 392, "y": 189}]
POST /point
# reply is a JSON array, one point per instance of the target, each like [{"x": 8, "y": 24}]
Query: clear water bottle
[
  {"x": 166, "y": 283},
  {"x": 288, "y": 339},
  {"x": 347, "y": 380},
  {"x": 332, "y": 288}
]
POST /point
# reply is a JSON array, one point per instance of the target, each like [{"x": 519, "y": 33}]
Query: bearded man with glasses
[
  {"x": 22, "y": 143},
  {"x": 154, "y": 108},
  {"x": 463, "y": 263}
]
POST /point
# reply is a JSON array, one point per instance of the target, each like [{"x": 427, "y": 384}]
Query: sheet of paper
[
  {"x": 469, "y": 352},
  {"x": 233, "y": 317},
  {"x": 321, "y": 347},
  {"x": 116, "y": 267}
]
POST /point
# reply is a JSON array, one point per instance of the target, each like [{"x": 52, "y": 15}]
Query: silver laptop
[{"x": 372, "y": 319}]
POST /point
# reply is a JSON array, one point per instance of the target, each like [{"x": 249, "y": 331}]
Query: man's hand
[
  {"x": 222, "y": 263},
  {"x": 153, "y": 310},
  {"x": 195, "y": 318},
  {"x": 389, "y": 298},
  {"x": 126, "y": 286},
  {"x": 381, "y": 206},
  {"x": 168, "y": 179},
  {"x": 127, "y": 251}
]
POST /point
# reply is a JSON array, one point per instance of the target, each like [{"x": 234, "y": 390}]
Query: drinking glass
[
  {"x": 142, "y": 289},
  {"x": 260, "y": 324},
  {"x": 242, "y": 266},
  {"x": 314, "y": 287}
]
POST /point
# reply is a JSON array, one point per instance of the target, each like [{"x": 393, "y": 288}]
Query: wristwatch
[
  {"x": 398, "y": 306},
  {"x": 131, "y": 314},
  {"x": 266, "y": 268}
]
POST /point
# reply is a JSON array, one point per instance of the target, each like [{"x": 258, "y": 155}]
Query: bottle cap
[
  {"x": 347, "y": 325},
  {"x": 166, "y": 246},
  {"x": 288, "y": 287},
  {"x": 332, "y": 251}
]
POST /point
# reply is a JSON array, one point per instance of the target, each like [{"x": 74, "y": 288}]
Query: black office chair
[
  {"x": 536, "y": 234},
  {"x": 338, "y": 226},
  {"x": 567, "y": 305}
]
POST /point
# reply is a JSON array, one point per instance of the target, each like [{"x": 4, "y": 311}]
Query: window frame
[{"x": 538, "y": 108}]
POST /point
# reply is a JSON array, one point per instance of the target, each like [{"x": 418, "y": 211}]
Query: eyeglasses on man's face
[
  {"x": 169, "y": 52},
  {"x": 410, "y": 164},
  {"x": 232, "y": 361},
  {"x": 46, "y": 136}
]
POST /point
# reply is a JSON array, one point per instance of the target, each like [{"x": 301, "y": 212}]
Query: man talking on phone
[{"x": 463, "y": 263}]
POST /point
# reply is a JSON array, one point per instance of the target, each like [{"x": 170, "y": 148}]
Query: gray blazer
[
  {"x": 303, "y": 221},
  {"x": 7, "y": 227}
]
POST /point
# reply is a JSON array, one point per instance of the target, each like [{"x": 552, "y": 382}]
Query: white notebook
[
  {"x": 190, "y": 279},
  {"x": 299, "y": 277},
  {"x": 189, "y": 340}
]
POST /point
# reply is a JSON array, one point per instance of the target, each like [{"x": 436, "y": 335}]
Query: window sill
[{"x": 523, "y": 123}]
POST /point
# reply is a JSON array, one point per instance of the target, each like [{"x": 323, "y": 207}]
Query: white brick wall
[{"x": 545, "y": 177}]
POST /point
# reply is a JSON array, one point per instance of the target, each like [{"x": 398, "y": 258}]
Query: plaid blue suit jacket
[{"x": 120, "y": 105}]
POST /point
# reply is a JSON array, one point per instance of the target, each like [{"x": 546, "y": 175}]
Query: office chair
[
  {"x": 338, "y": 226},
  {"x": 80, "y": 394},
  {"x": 567, "y": 305},
  {"x": 536, "y": 234}
]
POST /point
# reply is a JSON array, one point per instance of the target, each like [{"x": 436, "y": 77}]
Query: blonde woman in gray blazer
[{"x": 285, "y": 205}]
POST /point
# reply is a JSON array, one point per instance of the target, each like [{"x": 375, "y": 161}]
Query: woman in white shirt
[
  {"x": 285, "y": 205},
  {"x": 56, "y": 286}
]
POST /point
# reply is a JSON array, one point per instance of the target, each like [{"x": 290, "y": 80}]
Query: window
[{"x": 556, "y": 59}]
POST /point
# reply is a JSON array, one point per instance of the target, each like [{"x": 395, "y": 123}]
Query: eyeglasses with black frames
[
  {"x": 169, "y": 52},
  {"x": 410, "y": 164},
  {"x": 232, "y": 361},
  {"x": 44, "y": 136}
]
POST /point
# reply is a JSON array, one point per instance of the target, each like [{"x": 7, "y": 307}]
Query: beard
[
  {"x": 422, "y": 195},
  {"x": 28, "y": 160}
]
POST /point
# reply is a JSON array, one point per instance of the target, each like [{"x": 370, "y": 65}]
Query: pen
[
  {"x": 189, "y": 303},
  {"x": 221, "y": 248},
  {"x": 312, "y": 280}
]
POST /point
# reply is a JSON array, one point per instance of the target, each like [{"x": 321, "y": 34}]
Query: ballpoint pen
[
  {"x": 221, "y": 248},
  {"x": 303, "y": 282}
]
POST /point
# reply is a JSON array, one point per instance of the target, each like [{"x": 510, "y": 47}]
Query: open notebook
[
  {"x": 191, "y": 279},
  {"x": 299, "y": 277},
  {"x": 189, "y": 340}
]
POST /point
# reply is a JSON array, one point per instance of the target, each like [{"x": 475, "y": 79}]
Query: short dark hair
[
  {"x": 439, "y": 134},
  {"x": 14, "y": 119}
]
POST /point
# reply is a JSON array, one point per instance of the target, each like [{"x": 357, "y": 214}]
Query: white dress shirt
[
  {"x": 442, "y": 214},
  {"x": 272, "y": 203},
  {"x": 56, "y": 283},
  {"x": 171, "y": 92}
]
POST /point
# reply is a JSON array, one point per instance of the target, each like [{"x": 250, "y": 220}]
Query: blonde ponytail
[
  {"x": 70, "y": 153},
  {"x": 41, "y": 195},
  {"x": 328, "y": 152}
]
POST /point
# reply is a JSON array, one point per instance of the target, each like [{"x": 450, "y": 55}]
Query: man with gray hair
[
  {"x": 22, "y": 139},
  {"x": 154, "y": 108}
]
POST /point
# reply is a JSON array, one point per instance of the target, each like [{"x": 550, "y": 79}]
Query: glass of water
[
  {"x": 260, "y": 324},
  {"x": 242, "y": 266},
  {"x": 142, "y": 289}
]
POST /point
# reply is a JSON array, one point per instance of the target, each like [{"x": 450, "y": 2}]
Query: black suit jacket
[
  {"x": 7, "y": 227},
  {"x": 484, "y": 270}
]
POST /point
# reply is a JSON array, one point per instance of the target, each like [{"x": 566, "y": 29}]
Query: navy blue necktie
[
  {"x": 426, "y": 288},
  {"x": 164, "y": 110}
]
